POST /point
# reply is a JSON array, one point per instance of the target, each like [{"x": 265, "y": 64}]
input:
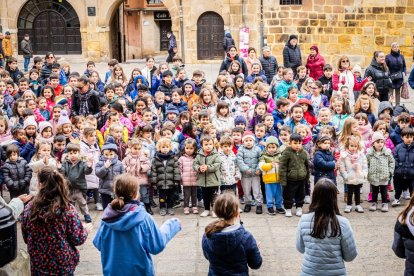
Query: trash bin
[{"x": 8, "y": 236}]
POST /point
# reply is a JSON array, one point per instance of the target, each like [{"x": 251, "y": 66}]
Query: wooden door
[
  {"x": 210, "y": 34},
  {"x": 57, "y": 33},
  {"x": 41, "y": 39},
  {"x": 165, "y": 26}
]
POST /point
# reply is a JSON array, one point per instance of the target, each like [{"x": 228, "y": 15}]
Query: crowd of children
[{"x": 190, "y": 140}]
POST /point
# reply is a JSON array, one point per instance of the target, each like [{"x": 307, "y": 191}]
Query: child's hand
[
  {"x": 279, "y": 125},
  {"x": 248, "y": 172},
  {"x": 257, "y": 172},
  {"x": 203, "y": 168},
  {"x": 107, "y": 163},
  {"x": 263, "y": 143},
  {"x": 25, "y": 198},
  {"x": 72, "y": 139},
  {"x": 167, "y": 98},
  {"x": 46, "y": 160},
  {"x": 134, "y": 117},
  {"x": 90, "y": 161}
]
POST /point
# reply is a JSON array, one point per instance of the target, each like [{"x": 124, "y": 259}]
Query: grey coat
[
  {"x": 76, "y": 174},
  {"x": 248, "y": 160},
  {"x": 380, "y": 166},
  {"x": 26, "y": 47},
  {"x": 107, "y": 175},
  {"x": 17, "y": 175}
]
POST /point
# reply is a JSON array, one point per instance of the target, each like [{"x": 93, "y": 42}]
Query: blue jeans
[
  {"x": 273, "y": 194},
  {"x": 26, "y": 63}
]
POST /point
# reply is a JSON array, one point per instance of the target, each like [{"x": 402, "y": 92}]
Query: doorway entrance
[{"x": 210, "y": 34}]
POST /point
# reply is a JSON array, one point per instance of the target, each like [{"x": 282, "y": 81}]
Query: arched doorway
[
  {"x": 210, "y": 34},
  {"x": 52, "y": 26}
]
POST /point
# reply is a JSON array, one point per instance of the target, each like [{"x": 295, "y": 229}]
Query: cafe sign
[{"x": 162, "y": 15}]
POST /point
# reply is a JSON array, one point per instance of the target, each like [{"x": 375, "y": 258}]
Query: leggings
[
  {"x": 379, "y": 189},
  {"x": 354, "y": 189}
]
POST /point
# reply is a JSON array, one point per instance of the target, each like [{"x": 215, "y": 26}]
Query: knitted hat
[
  {"x": 61, "y": 100},
  {"x": 240, "y": 120},
  {"x": 43, "y": 125},
  {"x": 356, "y": 68},
  {"x": 189, "y": 83},
  {"x": 64, "y": 118},
  {"x": 292, "y": 36},
  {"x": 248, "y": 134},
  {"x": 30, "y": 121},
  {"x": 171, "y": 109},
  {"x": 314, "y": 47},
  {"x": 272, "y": 140},
  {"x": 246, "y": 99},
  {"x": 377, "y": 136},
  {"x": 109, "y": 146}
]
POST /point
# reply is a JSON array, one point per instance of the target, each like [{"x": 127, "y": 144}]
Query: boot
[{"x": 148, "y": 208}]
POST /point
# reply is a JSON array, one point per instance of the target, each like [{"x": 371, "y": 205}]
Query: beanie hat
[
  {"x": 246, "y": 99},
  {"x": 109, "y": 146},
  {"x": 314, "y": 47},
  {"x": 356, "y": 68},
  {"x": 377, "y": 136},
  {"x": 292, "y": 36},
  {"x": 61, "y": 100},
  {"x": 248, "y": 134},
  {"x": 240, "y": 120},
  {"x": 171, "y": 109},
  {"x": 30, "y": 121},
  {"x": 188, "y": 83},
  {"x": 272, "y": 140},
  {"x": 43, "y": 125},
  {"x": 64, "y": 118}
]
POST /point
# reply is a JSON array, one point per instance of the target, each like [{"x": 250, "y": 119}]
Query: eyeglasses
[
  {"x": 50, "y": 57},
  {"x": 345, "y": 61},
  {"x": 81, "y": 86}
]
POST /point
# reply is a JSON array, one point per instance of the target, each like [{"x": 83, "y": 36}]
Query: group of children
[{"x": 186, "y": 139}]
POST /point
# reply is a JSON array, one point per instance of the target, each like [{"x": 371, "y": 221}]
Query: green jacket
[
  {"x": 211, "y": 177},
  {"x": 294, "y": 166},
  {"x": 75, "y": 174}
]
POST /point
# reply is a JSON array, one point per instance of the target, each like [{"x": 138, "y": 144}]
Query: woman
[
  {"x": 380, "y": 74},
  {"x": 396, "y": 64},
  {"x": 232, "y": 55},
  {"x": 292, "y": 57},
  {"x": 149, "y": 70},
  {"x": 50, "y": 59},
  {"x": 157, "y": 77},
  {"x": 403, "y": 244},
  {"x": 324, "y": 236},
  {"x": 250, "y": 59},
  {"x": 315, "y": 63}
]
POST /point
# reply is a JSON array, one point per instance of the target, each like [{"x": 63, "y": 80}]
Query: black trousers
[
  {"x": 171, "y": 54},
  {"x": 190, "y": 192},
  {"x": 208, "y": 196},
  {"x": 379, "y": 189},
  {"x": 401, "y": 184},
  {"x": 383, "y": 96},
  {"x": 354, "y": 189},
  {"x": 166, "y": 198},
  {"x": 294, "y": 190},
  {"x": 106, "y": 199}
]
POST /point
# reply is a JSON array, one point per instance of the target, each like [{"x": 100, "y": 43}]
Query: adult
[
  {"x": 172, "y": 46},
  {"x": 380, "y": 74},
  {"x": 227, "y": 41},
  {"x": 7, "y": 46},
  {"x": 1, "y": 50},
  {"x": 85, "y": 101},
  {"x": 323, "y": 236},
  {"x": 345, "y": 77},
  {"x": 46, "y": 71},
  {"x": 292, "y": 57},
  {"x": 269, "y": 64},
  {"x": 250, "y": 59},
  {"x": 396, "y": 64},
  {"x": 232, "y": 55},
  {"x": 315, "y": 63},
  {"x": 26, "y": 48},
  {"x": 149, "y": 70}
]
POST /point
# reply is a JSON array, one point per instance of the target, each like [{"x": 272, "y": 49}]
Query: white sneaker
[
  {"x": 205, "y": 213},
  {"x": 299, "y": 212},
  {"x": 373, "y": 207},
  {"x": 395, "y": 203},
  {"x": 201, "y": 204},
  {"x": 384, "y": 207},
  {"x": 213, "y": 214},
  {"x": 288, "y": 213},
  {"x": 406, "y": 195},
  {"x": 348, "y": 209},
  {"x": 359, "y": 209},
  {"x": 307, "y": 200},
  {"x": 99, "y": 206}
]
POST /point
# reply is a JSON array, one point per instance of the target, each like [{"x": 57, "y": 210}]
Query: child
[
  {"x": 55, "y": 116},
  {"x": 49, "y": 94},
  {"x": 34, "y": 83},
  {"x": 190, "y": 96},
  {"x": 198, "y": 81},
  {"x": 5, "y": 134},
  {"x": 18, "y": 108},
  {"x": 341, "y": 111},
  {"x": 264, "y": 96},
  {"x": 111, "y": 64},
  {"x": 245, "y": 108},
  {"x": 364, "y": 128},
  {"x": 41, "y": 105},
  {"x": 167, "y": 86},
  {"x": 260, "y": 136},
  {"x": 26, "y": 146},
  {"x": 227, "y": 239},
  {"x": 64, "y": 230},
  {"x": 75, "y": 170},
  {"x": 280, "y": 113},
  {"x": 138, "y": 164},
  {"x": 239, "y": 85},
  {"x": 357, "y": 72},
  {"x": 65, "y": 127},
  {"x": 223, "y": 121},
  {"x": 259, "y": 111},
  {"x": 308, "y": 113},
  {"x": 207, "y": 164},
  {"x": 403, "y": 121},
  {"x": 301, "y": 76},
  {"x": 353, "y": 168},
  {"x": 172, "y": 114},
  {"x": 384, "y": 128},
  {"x": 370, "y": 90},
  {"x": 324, "y": 119},
  {"x": 364, "y": 104},
  {"x": 230, "y": 173},
  {"x": 324, "y": 161},
  {"x": 208, "y": 101},
  {"x": 230, "y": 97},
  {"x": 256, "y": 72},
  {"x": 296, "y": 117},
  {"x": 126, "y": 212},
  {"x": 59, "y": 145},
  {"x": 16, "y": 172},
  {"x": 269, "y": 165},
  {"x": 248, "y": 160},
  {"x": 116, "y": 138},
  {"x": 189, "y": 175},
  {"x": 268, "y": 121},
  {"x": 380, "y": 170},
  {"x": 107, "y": 169},
  {"x": 165, "y": 174},
  {"x": 178, "y": 102},
  {"x": 284, "y": 137},
  {"x": 326, "y": 81},
  {"x": 294, "y": 174},
  {"x": 277, "y": 79}
]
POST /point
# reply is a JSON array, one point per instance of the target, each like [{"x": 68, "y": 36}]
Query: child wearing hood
[
  {"x": 189, "y": 96},
  {"x": 308, "y": 112}
]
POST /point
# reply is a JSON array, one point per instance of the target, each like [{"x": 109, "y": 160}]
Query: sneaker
[
  {"x": 259, "y": 210},
  {"x": 348, "y": 209},
  {"x": 153, "y": 204},
  {"x": 163, "y": 212},
  {"x": 288, "y": 213},
  {"x": 373, "y": 207},
  {"x": 186, "y": 211},
  {"x": 299, "y": 212},
  {"x": 148, "y": 208},
  {"x": 280, "y": 210},
  {"x": 240, "y": 210},
  {"x": 253, "y": 203},
  {"x": 99, "y": 207},
  {"x": 395, "y": 203},
  {"x": 271, "y": 211},
  {"x": 247, "y": 208},
  {"x": 88, "y": 219},
  {"x": 177, "y": 204},
  {"x": 195, "y": 210},
  {"x": 307, "y": 200},
  {"x": 359, "y": 209},
  {"x": 170, "y": 212},
  {"x": 206, "y": 213},
  {"x": 90, "y": 199},
  {"x": 213, "y": 215},
  {"x": 384, "y": 207},
  {"x": 406, "y": 195},
  {"x": 200, "y": 203},
  {"x": 241, "y": 200}
]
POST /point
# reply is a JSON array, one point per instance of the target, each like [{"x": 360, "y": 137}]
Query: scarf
[
  {"x": 83, "y": 104},
  {"x": 164, "y": 157}
]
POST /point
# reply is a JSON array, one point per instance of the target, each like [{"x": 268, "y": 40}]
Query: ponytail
[
  {"x": 216, "y": 226},
  {"x": 125, "y": 190},
  {"x": 118, "y": 203}
]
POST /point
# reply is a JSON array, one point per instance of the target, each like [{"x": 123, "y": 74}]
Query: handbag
[
  {"x": 396, "y": 76},
  {"x": 404, "y": 91}
]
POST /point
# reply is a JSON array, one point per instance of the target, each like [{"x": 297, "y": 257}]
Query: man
[
  {"x": 85, "y": 101},
  {"x": 26, "y": 47},
  {"x": 7, "y": 46},
  {"x": 269, "y": 64},
  {"x": 1, "y": 50},
  {"x": 172, "y": 46},
  {"x": 292, "y": 58}
]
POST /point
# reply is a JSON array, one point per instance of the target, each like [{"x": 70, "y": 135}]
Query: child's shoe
[
  {"x": 384, "y": 207},
  {"x": 348, "y": 209},
  {"x": 406, "y": 195},
  {"x": 395, "y": 203},
  {"x": 288, "y": 213},
  {"x": 201, "y": 203},
  {"x": 247, "y": 208},
  {"x": 373, "y": 207},
  {"x": 253, "y": 203},
  {"x": 369, "y": 196},
  {"x": 206, "y": 213},
  {"x": 271, "y": 211},
  {"x": 88, "y": 219},
  {"x": 359, "y": 209},
  {"x": 99, "y": 206},
  {"x": 259, "y": 210},
  {"x": 163, "y": 212},
  {"x": 186, "y": 211},
  {"x": 307, "y": 200},
  {"x": 195, "y": 210},
  {"x": 241, "y": 200},
  {"x": 213, "y": 215},
  {"x": 299, "y": 212},
  {"x": 170, "y": 212}
]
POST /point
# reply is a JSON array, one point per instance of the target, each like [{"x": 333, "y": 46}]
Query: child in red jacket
[{"x": 308, "y": 113}]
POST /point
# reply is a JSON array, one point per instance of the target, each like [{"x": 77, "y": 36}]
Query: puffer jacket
[
  {"x": 17, "y": 175},
  {"x": 138, "y": 166},
  {"x": 404, "y": 161},
  {"x": 250, "y": 78},
  {"x": 403, "y": 244},
  {"x": 228, "y": 41},
  {"x": 294, "y": 166},
  {"x": 211, "y": 177},
  {"x": 325, "y": 256},
  {"x": 181, "y": 106},
  {"x": 165, "y": 173},
  {"x": 270, "y": 173},
  {"x": 36, "y": 166},
  {"x": 380, "y": 166},
  {"x": 396, "y": 63},
  {"x": 270, "y": 103},
  {"x": 167, "y": 89},
  {"x": 292, "y": 57},
  {"x": 92, "y": 181},
  {"x": 269, "y": 66},
  {"x": 75, "y": 174},
  {"x": 223, "y": 124},
  {"x": 338, "y": 121},
  {"x": 353, "y": 168},
  {"x": 229, "y": 170},
  {"x": 315, "y": 66},
  {"x": 283, "y": 88},
  {"x": 248, "y": 160},
  {"x": 107, "y": 175},
  {"x": 380, "y": 77},
  {"x": 188, "y": 174},
  {"x": 324, "y": 165}
]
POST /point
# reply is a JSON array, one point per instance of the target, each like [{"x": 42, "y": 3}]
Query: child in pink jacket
[{"x": 189, "y": 175}]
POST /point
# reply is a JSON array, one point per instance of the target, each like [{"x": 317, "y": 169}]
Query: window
[
  {"x": 290, "y": 2},
  {"x": 154, "y": 2}
]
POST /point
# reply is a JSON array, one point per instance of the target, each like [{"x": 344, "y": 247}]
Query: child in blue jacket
[{"x": 125, "y": 220}]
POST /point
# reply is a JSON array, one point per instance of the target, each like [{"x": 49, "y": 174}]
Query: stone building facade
[{"x": 352, "y": 27}]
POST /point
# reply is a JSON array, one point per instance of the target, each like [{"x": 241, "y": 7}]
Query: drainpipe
[
  {"x": 244, "y": 13},
  {"x": 261, "y": 25},
  {"x": 182, "y": 31}
]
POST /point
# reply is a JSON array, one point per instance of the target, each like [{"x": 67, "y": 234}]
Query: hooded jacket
[
  {"x": 133, "y": 93},
  {"x": 132, "y": 223},
  {"x": 228, "y": 41},
  {"x": 324, "y": 165},
  {"x": 292, "y": 57},
  {"x": 107, "y": 175},
  {"x": 17, "y": 175},
  {"x": 404, "y": 161},
  {"x": 231, "y": 252},
  {"x": 380, "y": 77},
  {"x": 315, "y": 64},
  {"x": 270, "y": 173},
  {"x": 283, "y": 88},
  {"x": 383, "y": 106}
]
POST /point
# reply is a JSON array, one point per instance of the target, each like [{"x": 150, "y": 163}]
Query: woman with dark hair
[
  {"x": 230, "y": 57},
  {"x": 250, "y": 59},
  {"x": 380, "y": 74},
  {"x": 324, "y": 236},
  {"x": 50, "y": 59},
  {"x": 396, "y": 64}
]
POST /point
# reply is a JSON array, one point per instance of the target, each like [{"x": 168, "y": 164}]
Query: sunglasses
[{"x": 345, "y": 61}]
